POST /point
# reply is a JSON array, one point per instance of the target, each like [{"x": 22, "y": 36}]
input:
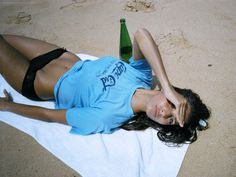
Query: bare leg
[
  {"x": 13, "y": 65},
  {"x": 29, "y": 47},
  {"x": 15, "y": 53}
]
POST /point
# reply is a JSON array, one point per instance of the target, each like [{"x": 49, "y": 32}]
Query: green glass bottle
[{"x": 125, "y": 42}]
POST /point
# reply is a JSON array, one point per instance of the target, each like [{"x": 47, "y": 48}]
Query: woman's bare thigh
[{"x": 47, "y": 77}]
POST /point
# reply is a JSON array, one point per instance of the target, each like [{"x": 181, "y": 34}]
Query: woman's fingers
[
  {"x": 177, "y": 115},
  {"x": 181, "y": 110},
  {"x": 181, "y": 116},
  {"x": 185, "y": 111},
  {"x": 5, "y": 93},
  {"x": 180, "y": 105},
  {"x": 8, "y": 96}
]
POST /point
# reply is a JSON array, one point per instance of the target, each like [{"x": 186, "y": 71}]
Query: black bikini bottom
[{"x": 36, "y": 64}]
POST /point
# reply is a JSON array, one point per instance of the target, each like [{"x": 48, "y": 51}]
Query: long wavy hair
[{"x": 174, "y": 135}]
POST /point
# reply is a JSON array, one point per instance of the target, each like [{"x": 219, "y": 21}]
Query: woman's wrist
[
  {"x": 168, "y": 91},
  {"x": 5, "y": 106},
  {"x": 167, "y": 87}
]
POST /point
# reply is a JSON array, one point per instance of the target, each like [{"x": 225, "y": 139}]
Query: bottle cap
[
  {"x": 203, "y": 124},
  {"x": 122, "y": 20}
]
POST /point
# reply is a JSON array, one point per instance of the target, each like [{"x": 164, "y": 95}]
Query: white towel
[{"x": 121, "y": 154}]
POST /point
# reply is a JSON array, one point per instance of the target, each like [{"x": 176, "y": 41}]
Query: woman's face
[{"x": 160, "y": 110}]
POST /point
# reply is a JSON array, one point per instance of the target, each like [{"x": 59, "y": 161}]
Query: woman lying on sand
[{"x": 99, "y": 96}]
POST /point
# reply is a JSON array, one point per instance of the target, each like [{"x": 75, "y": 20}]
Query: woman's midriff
[{"x": 47, "y": 77}]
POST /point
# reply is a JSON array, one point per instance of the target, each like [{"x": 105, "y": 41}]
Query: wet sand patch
[
  {"x": 21, "y": 17},
  {"x": 139, "y": 5}
]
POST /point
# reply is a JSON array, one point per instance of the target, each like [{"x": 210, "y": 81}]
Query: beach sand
[{"x": 197, "y": 41}]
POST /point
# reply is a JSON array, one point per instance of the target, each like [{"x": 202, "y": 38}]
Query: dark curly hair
[{"x": 174, "y": 135}]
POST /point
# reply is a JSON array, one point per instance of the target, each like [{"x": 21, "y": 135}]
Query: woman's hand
[
  {"x": 145, "y": 47},
  {"x": 5, "y": 100},
  {"x": 180, "y": 103}
]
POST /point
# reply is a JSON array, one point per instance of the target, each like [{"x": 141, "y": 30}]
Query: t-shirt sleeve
[
  {"x": 86, "y": 120},
  {"x": 143, "y": 66}
]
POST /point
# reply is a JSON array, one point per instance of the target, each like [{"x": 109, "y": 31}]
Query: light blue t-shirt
[{"x": 97, "y": 94}]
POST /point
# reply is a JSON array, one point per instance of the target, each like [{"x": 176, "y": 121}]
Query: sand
[{"x": 197, "y": 40}]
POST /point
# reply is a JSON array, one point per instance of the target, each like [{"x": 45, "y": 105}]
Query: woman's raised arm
[
  {"x": 145, "y": 47},
  {"x": 35, "y": 112}
]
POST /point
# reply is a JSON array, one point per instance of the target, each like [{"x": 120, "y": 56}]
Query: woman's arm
[
  {"x": 145, "y": 47},
  {"x": 36, "y": 112}
]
